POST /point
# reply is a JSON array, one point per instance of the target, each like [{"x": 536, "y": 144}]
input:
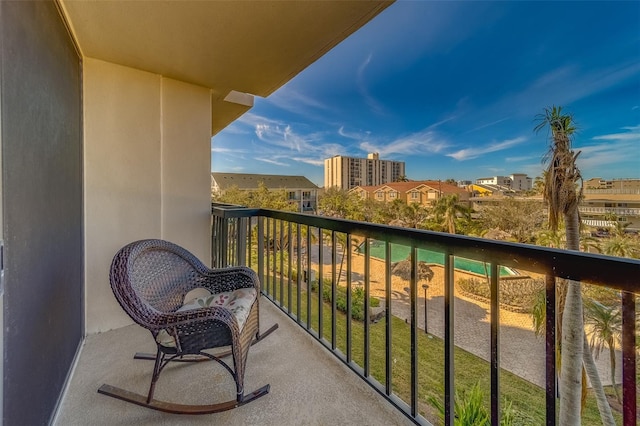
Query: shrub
[
  {"x": 519, "y": 293},
  {"x": 469, "y": 409},
  {"x": 357, "y": 299}
]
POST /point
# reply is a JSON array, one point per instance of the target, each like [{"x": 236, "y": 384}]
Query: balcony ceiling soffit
[{"x": 251, "y": 47}]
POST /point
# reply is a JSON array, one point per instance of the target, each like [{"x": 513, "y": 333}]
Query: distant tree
[
  {"x": 234, "y": 196},
  {"x": 340, "y": 203},
  {"x": 449, "y": 212},
  {"x": 262, "y": 197},
  {"x": 605, "y": 331},
  {"x": 521, "y": 219},
  {"x": 402, "y": 178},
  {"x": 538, "y": 185},
  {"x": 451, "y": 181}
]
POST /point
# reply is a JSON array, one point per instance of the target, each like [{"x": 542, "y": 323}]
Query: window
[
  {"x": 380, "y": 195},
  {"x": 393, "y": 194},
  {"x": 415, "y": 195}
]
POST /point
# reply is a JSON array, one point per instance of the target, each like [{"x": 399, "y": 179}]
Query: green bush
[
  {"x": 469, "y": 409},
  {"x": 357, "y": 299},
  {"x": 519, "y": 293}
]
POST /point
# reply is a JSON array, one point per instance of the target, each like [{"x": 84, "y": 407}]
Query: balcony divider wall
[{"x": 42, "y": 146}]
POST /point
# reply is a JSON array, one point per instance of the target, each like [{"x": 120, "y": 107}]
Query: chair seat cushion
[{"x": 238, "y": 302}]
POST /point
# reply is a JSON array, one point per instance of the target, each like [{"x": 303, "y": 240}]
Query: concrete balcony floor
[{"x": 309, "y": 386}]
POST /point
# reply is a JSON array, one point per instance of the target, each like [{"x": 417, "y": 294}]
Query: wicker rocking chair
[{"x": 150, "y": 279}]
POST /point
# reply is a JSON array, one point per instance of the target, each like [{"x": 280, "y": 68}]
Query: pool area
[{"x": 400, "y": 252}]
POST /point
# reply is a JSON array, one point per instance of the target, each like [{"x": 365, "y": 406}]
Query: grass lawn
[{"x": 528, "y": 400}]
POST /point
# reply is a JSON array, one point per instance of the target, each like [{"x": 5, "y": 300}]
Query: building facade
[
  {"x": 516, "y": 182},
  {"x": 425, "y": 193},
  {"x": 349, "y": 172},
  {"x": 622, "y": 186},
  {"x": 300, "y": 190}
]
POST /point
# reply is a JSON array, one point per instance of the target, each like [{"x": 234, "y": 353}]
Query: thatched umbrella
[{"x": 402, "y": 269}]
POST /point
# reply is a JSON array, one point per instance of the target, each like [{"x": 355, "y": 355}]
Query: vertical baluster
[
  {"x": 299, "y": 273},
  {"x": 267, "y": 255},
  {"x": 348, "y": 298},
  {"x": 367, "y": 287},
  {"x": 290, "y": 268},
  {"x": 413, "y": 290},
  {"x": 629, "y": 385},
  {"x": 334, "y": 307},
  {"x": 281, "y": 251},
  {"x": 550, "y": 348},
  {"x": 449, "y": 384},
  {"x": 495, "y": 345},
  {"x": 320, "y": 285},
  {"x": 308, "y": 277},
  {"x": 387, "y": 316},
  {"x": 261, "y": 251},
  {"x": 274, "y": 261}
]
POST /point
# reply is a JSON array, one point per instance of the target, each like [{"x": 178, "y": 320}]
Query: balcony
[
  {"x": 430, "y": 339},
  {"x": 307, "y": 385}
]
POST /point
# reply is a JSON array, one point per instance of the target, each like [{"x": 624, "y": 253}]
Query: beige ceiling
[{"x": 247, "y": 46}]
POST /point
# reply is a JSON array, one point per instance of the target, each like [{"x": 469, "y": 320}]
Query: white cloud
[
  {"x": 271, "y": 161},
  {"x": 375, "y": 106},
  {"x": 353, "y": 135},
  {"x": 633, "y": 134},
  {"x": 414, "y": 144},
  {"x": 470, "y": 153},
  {"x": 312, "y": 161},
  {"x": 229, "y": 150},
  {"x": 292, "y": 100}
]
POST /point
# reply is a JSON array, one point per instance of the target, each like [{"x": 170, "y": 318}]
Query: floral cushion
[{"x": 238, "y": 302}]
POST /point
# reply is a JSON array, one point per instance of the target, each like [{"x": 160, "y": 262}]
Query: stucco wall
[{"x": 147, "y": 166}]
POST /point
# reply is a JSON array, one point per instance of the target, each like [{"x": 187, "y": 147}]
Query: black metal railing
[{"x": 288, "y": 248}]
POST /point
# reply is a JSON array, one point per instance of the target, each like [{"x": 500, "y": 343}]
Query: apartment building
[
  {"x": 605, "y": 200},
  {"x": 349, "y": 172},
  {"x": 621, "y": 186},
  {"x": 516, "y": 181},
  {"x": 425, "y": 193},
  {"x": 300, "y": 190}
]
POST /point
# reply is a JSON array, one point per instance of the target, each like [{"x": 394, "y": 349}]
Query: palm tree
[
  {"x": 606, "y": 329},
  {"x": 562, "y": 197},
  {"x": 447, "y": 211}
]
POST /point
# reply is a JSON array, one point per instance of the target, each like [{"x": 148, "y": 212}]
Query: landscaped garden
[{"x": 525, "y": 401}]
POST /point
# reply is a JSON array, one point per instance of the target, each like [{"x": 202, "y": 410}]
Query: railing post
[
  {"x": 629, "y": 385},
  {"x": 241, "y": 243},
  {"x": 388, "y": 320},
  {"x": 224, "y": 243},
  {"x": 449, "y": 386},
  {"x": 495, "y": 345},
  {"x": 413, "y": 288},
  {"x": 550, "y": 348},
  {"x": 367, "y": 289},
  {"x": 261, "y": 250}
]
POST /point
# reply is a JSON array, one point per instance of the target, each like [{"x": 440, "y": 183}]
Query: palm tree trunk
[
  {"x": 574, "y": 342},
  {"x": 572, "y": 337},
  {"x": 612, "y": 360},
  {"x": 603, "y": 404},
  {"x": 572, "y": 354}
]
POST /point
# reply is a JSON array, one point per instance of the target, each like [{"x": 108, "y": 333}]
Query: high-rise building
[{"x": 349, "y": 172}]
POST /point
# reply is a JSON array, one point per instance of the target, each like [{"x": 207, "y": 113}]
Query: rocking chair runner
[{"x": 150, "y": 279}]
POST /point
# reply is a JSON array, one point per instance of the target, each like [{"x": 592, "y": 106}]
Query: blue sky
[{"x": 453, "y": 89}]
